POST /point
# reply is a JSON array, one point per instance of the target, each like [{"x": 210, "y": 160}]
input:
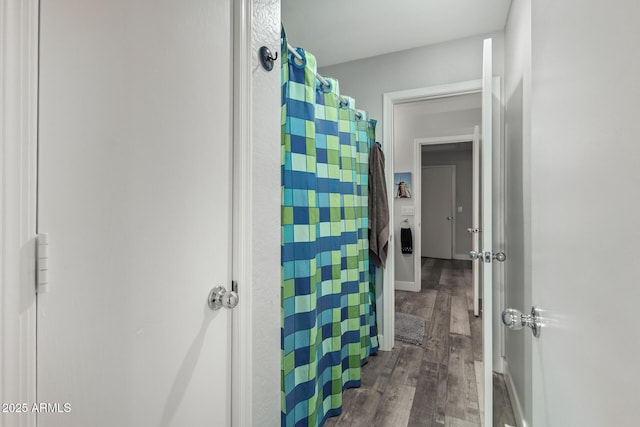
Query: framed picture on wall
[{"x": 402, "y": 183}]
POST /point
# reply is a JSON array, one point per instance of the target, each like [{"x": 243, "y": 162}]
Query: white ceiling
[{"x": 337, "y": 31}]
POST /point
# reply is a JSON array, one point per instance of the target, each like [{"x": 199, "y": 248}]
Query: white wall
[
  {"x": 265, "y": 218},
  {"x": 517, "y": 84},
  {"x": 368, "y": 79}
]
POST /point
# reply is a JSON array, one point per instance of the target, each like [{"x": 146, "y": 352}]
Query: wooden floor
[{"x": 433, "y": 384}]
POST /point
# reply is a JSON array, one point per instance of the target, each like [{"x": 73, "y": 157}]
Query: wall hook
[{"x": 266, "y": 59}]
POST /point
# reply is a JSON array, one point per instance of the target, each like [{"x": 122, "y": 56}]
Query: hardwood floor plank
[
  {"x": 407, "y": 369},
  {"x": 456, "y": 422},
  {"x": 366, "y": 403},
  {"x": 502, "y": 413},
  {"x": 446, "y": 276},
  {"x": 437, "y": 343},
  {"x": 426, "y": 305},
  {"x": 374, "y": 367},
  {"x": 462, "y": 392},
  {"x": 424, "y": 401},
  {"x": 475, "y": 324},
  {"x": 469, "y": 297},
  {"x": 395, "y": 408},
  {"x": 385, "y": 373},
  {"x": 459, "y": 316},
  {"x": 441, "y": 395},
  {"x": 431, "y": 271},
  {"x": 479, "y": 368}
]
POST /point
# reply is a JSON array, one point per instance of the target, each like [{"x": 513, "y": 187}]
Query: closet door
[
  {"x": 437, "y": 187},
  {"x": 134, "y": 193}
]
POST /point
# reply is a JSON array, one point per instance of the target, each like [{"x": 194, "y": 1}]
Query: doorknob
[
  {"x": 219, "y": 297},
  {"x": 449, "y": 218},
  {"x": 487, "y": 256},
  {"x": 499, "y": 256},
  {"x": 514, "y": 319}
]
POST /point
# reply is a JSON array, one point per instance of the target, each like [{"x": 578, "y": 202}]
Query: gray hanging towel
[
  {"x": 378, "y": 208},
  {"x": 406, "y": 240}
]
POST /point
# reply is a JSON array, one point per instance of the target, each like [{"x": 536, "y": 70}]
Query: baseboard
[
  {"x": 515, "y": 401},
  {"x": 462, "y": 257},
  {"x": 407, "y": 286},
  {"x": 381, "y": 342}
]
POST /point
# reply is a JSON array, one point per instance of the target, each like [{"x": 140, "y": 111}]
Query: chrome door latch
[
  {"x": 514, "y": 319},
  {"x": 487, "y": 257},
  {"x": 219, "y": 297}
]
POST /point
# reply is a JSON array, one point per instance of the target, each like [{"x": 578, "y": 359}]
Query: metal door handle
[
  {"x": 219, "y": 297},
  {"x": 487, "y": 256},
  {"x": 449, "y": 218},
  {"x": 499, "y": 256},
  {"x": 514, "y": 319}
]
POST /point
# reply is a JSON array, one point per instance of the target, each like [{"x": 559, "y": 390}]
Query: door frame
[
  {"x": 418, "y": 144},
  {"x": 18, "y": 204},
  {"x": 386, "y": 318},
  {"x": 453, "y": 171},
  {"x": 390, "y": 99},
  {"x": 19, "y": 53}
]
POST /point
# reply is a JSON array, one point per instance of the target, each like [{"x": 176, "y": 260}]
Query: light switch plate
[{"x": 408, "y": 210}]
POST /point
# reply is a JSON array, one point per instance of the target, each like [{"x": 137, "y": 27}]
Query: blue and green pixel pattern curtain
[{"x": 328, "y": 295}]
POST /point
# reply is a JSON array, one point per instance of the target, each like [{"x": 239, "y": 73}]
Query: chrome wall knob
[
  {"x": 219, "y": 297},
  {"x": 475, "y": 255}
]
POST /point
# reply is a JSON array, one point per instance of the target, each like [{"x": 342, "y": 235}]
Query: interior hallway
[{"x": 433, "y": 384}]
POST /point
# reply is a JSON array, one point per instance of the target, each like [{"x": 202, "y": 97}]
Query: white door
[
  {"x": 134, "y": 191},
  {"x": 475, "y": 219},
  {"x": 585, "y": 206},
  {"x": 486, "y": 235},
  {"x": 437, "y": 200}
]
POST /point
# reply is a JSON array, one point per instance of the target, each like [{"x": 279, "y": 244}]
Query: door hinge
[{"x": 42, "y": 262}]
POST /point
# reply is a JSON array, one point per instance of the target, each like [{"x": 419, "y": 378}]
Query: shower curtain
[{"x": 328, "y": 295}]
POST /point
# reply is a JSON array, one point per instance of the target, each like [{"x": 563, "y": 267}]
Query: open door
[{"x": 486, "y": 252}]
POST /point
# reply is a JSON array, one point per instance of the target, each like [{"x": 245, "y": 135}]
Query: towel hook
[{"x": 266, "y": 59}]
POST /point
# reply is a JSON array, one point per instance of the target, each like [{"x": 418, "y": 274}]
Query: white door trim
[
  {"x": 418, "y": 143},
  {"x": 18, "y": 177},
  {"x": 389, "y": 99},
  {"x": 242, "y": 330}
]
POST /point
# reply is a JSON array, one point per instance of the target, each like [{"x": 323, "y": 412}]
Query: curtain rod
[{"x": 324, "y": 82}]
